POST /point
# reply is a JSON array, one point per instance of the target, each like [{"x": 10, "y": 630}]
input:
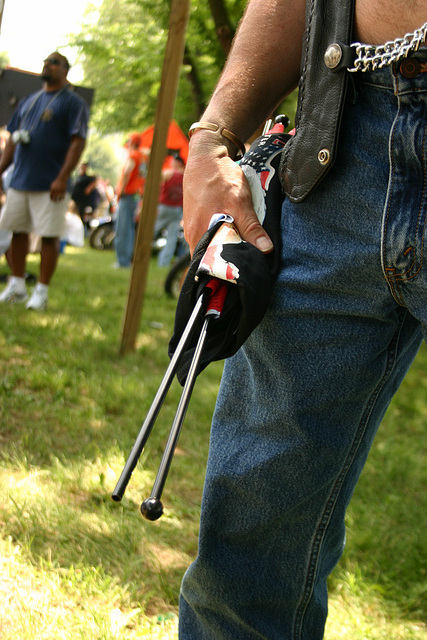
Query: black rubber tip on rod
[{"x": 152, "y": 509}]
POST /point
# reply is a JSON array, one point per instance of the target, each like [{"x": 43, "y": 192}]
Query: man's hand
[
  {"x": 214, "y": 183},
  {"x": 58, "y": 189}
]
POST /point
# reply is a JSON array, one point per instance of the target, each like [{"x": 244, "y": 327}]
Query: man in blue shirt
[{"x": 48, "y": 132}]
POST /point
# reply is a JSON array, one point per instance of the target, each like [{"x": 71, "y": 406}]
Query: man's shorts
[
  {"x": 5, "y": 240},
  {"x": 34, "y": 211}
]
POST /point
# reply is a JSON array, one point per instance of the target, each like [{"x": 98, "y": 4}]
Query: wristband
[{"x": 225, "y": 133}]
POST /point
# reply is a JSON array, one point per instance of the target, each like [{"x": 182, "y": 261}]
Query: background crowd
[{"x": 49, "y": 198}]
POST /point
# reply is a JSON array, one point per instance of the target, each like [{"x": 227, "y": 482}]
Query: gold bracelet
[{"x": 225, "y": 133}]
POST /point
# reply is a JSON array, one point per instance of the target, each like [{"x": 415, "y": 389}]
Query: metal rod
[
  {"x": 152, "y": 507},
  {"x": 149, "y": 421},
  {"x": 267, "y": 126}
]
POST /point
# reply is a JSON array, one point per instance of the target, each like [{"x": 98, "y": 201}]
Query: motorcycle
[
  {"x": 176, "y": 275},
  {"x": 102, "y": 234}
]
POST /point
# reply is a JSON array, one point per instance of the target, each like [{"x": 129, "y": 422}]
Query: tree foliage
[
  {"x": 122, "y": 48},
  {"x": 4, "y": 59},
  {"x": 122, "y": 56},
  {"x": 100, "y": 153}
]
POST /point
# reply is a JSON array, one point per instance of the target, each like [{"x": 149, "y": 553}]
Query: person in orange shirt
[{"x": 129, "y": 190}]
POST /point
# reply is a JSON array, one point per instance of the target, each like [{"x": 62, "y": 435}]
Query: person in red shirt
[
  {"x": 129, "y": 190},
  {"x": 169, "y": 214}
]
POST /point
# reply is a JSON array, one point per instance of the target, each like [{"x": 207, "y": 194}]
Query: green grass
[{"x": 73, "y": 563}]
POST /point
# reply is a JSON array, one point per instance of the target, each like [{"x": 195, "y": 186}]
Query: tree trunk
[
  {"x": 224, "y": 30},
  {"x": 194, "y": 80}
]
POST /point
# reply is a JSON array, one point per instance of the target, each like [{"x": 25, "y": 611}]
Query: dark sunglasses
[{"x": 53, "y": 61}]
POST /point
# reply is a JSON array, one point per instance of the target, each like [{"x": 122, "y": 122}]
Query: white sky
[{"x": 31, "y": 29}]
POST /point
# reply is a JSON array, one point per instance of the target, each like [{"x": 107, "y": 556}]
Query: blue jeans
[
  {"x": 124, "y": 240},
  {"x": 168, "y": 218},
  {"x": 300, "y": 403}
]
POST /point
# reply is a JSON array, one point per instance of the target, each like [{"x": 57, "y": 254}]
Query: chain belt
[{"x": 370, "y": 57}]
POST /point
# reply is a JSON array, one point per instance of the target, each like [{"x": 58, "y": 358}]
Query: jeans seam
[
  {"x": 393, "y": 284},
  {"x": 388, "y": 204},
  {"x": 338, "y": 484},
  {"x": 402, "y": 277}
]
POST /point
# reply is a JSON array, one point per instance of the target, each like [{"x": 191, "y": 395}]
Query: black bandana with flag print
[{"x": 222, "y": 254}]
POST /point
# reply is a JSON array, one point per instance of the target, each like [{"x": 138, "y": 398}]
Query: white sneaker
[
  {"x": 38, "y": 301},
  {"x": 13, "y": 294}
]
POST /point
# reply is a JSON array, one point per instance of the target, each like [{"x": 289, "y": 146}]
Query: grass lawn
[{"x": 73, "y": 563}]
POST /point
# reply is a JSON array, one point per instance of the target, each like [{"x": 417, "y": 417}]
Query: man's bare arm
[
  {"x": 58, "y": 187},
  {"x": 263, "y": 67}
]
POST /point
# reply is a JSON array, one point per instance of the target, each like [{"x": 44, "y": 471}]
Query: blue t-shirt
[{"x": 52, "y": 118}]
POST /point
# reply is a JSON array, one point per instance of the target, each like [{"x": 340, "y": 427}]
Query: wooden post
[
  {"x": 1, "y": 12},
  {"x": 165, "y": 106}
]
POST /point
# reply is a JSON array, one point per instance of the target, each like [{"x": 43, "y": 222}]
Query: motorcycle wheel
[
  {"x": 102, "y": 237},
  {"x": 176, "y": 276}
]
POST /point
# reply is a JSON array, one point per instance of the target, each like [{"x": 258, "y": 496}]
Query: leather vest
[{"x": 310, "y": 153}]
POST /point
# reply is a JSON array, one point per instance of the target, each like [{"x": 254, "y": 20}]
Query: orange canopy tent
[{"x": 176, "y": 140}]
